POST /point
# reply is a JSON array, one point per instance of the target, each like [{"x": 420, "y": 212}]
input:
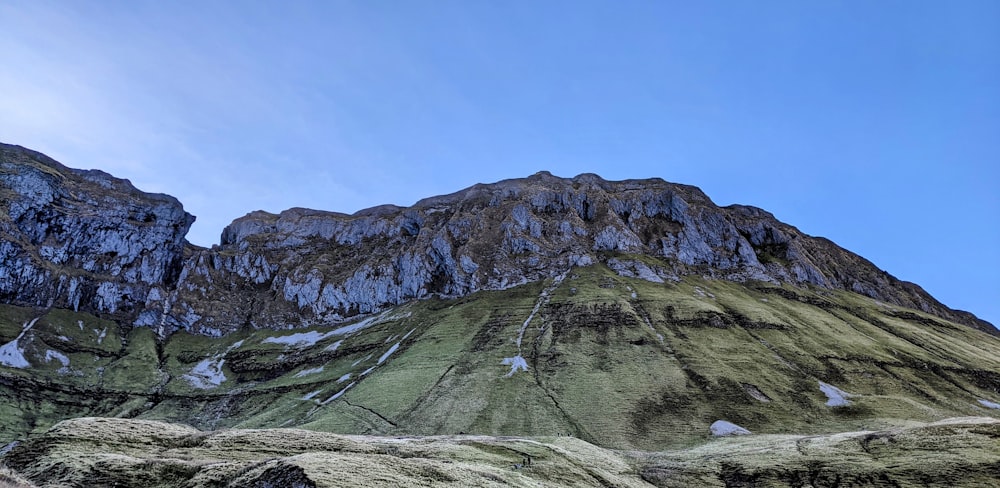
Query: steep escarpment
[
  {"x": 87, "y": 241},
  {"x": 326, "y": 266},
  {"x": 84, "y": 240}
]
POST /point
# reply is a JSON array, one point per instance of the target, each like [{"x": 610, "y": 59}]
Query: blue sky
[{"x": 874, "y": 124}]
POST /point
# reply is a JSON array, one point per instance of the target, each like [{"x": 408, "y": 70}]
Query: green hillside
[{"x": 618, "y": 362}]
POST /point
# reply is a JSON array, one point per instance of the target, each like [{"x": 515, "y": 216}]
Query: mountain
[
  {"x": 87, "y": 241},
  {"x": 627, "y": 315}
]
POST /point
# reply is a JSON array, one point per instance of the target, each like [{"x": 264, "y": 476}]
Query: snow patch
[
  {"x": 208, "y": 372},
  {"x": 408, "y": 334},
  {"x": 377, "y": 319},
  {"x": 334, "y": 346},
  {"x": 338, "y": 394},
  {"x": 388, "y": 353},
  {"x": 307, "y": 372},
  {"x": 721, "y": 428},
  {"x": 515, "y": 363},
  {"x": 50, "y": 355},
  {"x": 989, "y": 404},
  {"x": 299, "y": 339},
  {"x": 543, "y": 298},
  {"x": 365, "y": 372},
  {"x": 835, "y": 396},
  {"x": 11, "y": 353},
  {"x": 308, "y": 339},
  {"x": 311, "y": 395},
  {"x": 80, "y": 323},
  {"x": 344, "y": 378},
  {"x": 101, "y": 335}
]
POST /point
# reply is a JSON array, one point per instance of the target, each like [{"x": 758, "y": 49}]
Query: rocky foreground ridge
[
  {"x": 86, "y": 241},
  {"x": 131, "y": 453}
]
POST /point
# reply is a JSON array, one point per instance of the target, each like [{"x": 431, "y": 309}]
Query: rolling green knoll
[
  {"x": 618, "y": 362},
  {"x": 132, "y": 453}
]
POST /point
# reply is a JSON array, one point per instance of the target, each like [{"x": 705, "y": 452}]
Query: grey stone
[{"x": 88, "y": 241}]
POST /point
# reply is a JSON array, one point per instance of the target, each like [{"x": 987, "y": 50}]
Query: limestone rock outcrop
[{"x": 85, "y": 240}]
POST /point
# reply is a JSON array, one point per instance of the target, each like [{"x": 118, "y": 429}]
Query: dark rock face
[
  {"x": 82, "y": 239},
  {"x": 329, "y": 266}
]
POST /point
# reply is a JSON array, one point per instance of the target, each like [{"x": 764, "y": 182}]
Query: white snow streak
[
  {"x": 299, "y": 339},
  {"x": 377, "y": 319},
  {"x": 208, "y": 372},
  {"x": 388, "y": 353},
  {"x": 835, "y": 396},
  {"x": 721, "y": 428},
  {"x": 338, "y": 394},
  {"x": 11, "y": 353},
  {"x": 989, "y": 404},
  {"x": 50, "y": 355},
  {"x": 307, "y": 339},
  {"x": 517, "y": 362},
  {"x": 307, "y": 372},
  {"x": 543, "y": 298}
]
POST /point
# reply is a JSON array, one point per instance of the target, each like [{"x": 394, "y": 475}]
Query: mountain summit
[{"x": 90, "y": 242}]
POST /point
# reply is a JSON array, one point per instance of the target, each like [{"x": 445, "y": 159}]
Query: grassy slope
[{"x": 598, "y": 369}]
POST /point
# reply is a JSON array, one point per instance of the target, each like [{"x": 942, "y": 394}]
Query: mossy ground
[{"x": 131, "y": 453}]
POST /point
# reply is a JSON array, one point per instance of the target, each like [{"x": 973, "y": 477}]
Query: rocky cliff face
[
  {"x": 87, "y": 241},
  {"x": 84, "y": 240}
]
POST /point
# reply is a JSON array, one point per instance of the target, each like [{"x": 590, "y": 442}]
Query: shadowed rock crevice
[{"x": 376, "y": 414}]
